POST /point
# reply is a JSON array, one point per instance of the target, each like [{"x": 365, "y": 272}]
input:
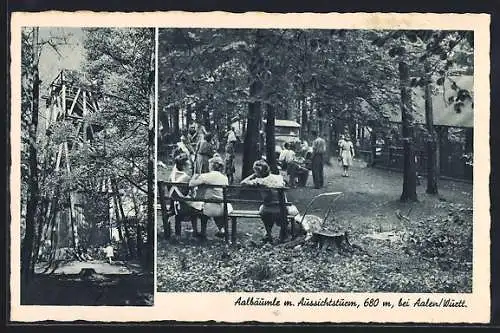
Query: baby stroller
[{"x": 310, "y": 223}]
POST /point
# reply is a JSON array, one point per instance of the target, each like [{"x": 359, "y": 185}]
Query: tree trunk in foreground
[
  {"x": 432, "y": 187},
  {"x": 270, "y": 138},
  {"x": 31, "y": 206},
  {"x": 409, "y": 171}
]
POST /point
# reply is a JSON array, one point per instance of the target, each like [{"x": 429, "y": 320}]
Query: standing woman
[
  {"x": 340, "y": 144},
  {"x": 347, "y": 150},
  {"x": 204, "y": 152},
  {"x": 229, "y": 168}
]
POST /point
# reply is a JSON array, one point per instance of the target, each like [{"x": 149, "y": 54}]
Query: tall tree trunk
[
  {"x": 175, "y": 119},
  {"x": 432, "y": 187},
  {"x": 124, "y": 220},
  {"x": 188, "y": 115},
  {"x": 40, "y": 221},
  {"x": 27, "y": 244},
  {"x": 373, "y": 146},
  {"x": 270, "y": 138},
  {"x": 163, "y": 118},
  {"x": 443, "y": 149},
  {"x": 118, "y": 221},
  {"x": 409, "y": 171},
  {"x": 74, "y": 227},
  {"x": 250, "y": 145},
  {"x": 139, "y": 243},
  {"x": 304, "y": 121},
  {"x": 206, "y": 116},
  {"x": 150, "y": 231}
]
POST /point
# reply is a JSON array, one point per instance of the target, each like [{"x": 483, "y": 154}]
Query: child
[{"x": 108, "y": 250}]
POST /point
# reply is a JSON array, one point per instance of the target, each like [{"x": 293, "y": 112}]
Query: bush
[{"x": 447, "y": 239}]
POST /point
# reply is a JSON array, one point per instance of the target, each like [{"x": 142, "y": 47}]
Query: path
[
  {"x": 100, "y": 267},
  {"x": 370, "y": 200}
]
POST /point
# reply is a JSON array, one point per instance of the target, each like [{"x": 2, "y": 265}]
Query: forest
[
  {"x": 328, "y": 80},
  {"x": 87, "y": 158}
]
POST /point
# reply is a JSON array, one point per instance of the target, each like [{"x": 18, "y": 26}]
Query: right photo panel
[{"x": 314, "y": 160}]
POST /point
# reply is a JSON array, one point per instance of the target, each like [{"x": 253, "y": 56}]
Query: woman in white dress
[
  {"x": 214, "y": 176},
  {"x": 347, "y": 153}
]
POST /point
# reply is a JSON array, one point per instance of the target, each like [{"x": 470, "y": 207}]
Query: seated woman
[
  {"x": 270, "y": 209},
  {"x": 183, "y": 209},
  {"x": 213, "y": 210}
]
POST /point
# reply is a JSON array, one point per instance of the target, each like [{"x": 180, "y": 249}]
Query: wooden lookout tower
[{"x": 70, "y": 101}]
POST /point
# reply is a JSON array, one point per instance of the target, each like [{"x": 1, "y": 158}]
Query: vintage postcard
[{"x": 261, "y": 167}]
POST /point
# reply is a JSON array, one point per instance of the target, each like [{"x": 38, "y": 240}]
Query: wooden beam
[
  {"x": 77, "y": 130},
  {"x": 59, "y": 153},
  {"x": 66, "y": 153},
  {"x": 92, "y": 102},
  {"x": 64, "y": 99},
  {"x": 73, "y": 221},
  {"x": 70, "y": 111},
  {"x": 84, "y": 95}
]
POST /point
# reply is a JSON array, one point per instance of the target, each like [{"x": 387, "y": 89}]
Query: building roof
[
  {"x": 285, "y": 123},
  {"x": 443, "y": 111}
]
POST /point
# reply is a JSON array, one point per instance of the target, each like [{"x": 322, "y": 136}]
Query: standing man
[{"x": 319, "y": 149}]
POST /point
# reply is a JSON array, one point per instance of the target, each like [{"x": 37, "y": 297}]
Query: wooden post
[
  {"x": 58, "y": 159},
  {"x": 70, "y": 111},
  {"x": 64, "y": 99}
]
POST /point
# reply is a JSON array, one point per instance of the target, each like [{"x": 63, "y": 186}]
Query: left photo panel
[{"x": 87, "y": 156}]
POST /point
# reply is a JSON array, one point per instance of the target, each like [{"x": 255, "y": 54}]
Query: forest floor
[
  {"x": 430, "y": 251},
  {"x": 118, "y": 283}
]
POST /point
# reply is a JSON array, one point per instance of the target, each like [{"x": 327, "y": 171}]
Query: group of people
[
  {"x": 261, "y": 176},
  {"x": 199, "y": 146},
  {"x": 295, "y": 163},
  {"x": 204, "y": 165}
]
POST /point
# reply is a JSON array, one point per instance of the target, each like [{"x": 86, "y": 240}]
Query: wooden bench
[{"x": 232, "y": 194}]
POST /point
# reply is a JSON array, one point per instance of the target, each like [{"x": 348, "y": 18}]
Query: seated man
[
  {"x": 286, "y": 155},
  {"x": 213, "y": 210},
  {"x": 298, "y": 172},
  {"x": 183, "y": 209}
]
